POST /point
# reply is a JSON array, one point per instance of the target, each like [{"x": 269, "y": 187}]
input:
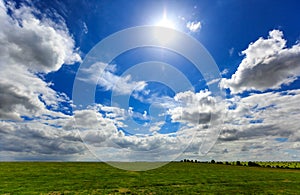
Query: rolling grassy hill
[{"x": 173, "y": 178}]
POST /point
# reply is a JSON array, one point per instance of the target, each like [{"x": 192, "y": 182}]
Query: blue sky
[{"x": 152, "y": 102}]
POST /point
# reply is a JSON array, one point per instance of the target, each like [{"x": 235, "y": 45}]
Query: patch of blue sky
[
  {"x": 163, "y": 55},
  {"x": 257, "y": 121},
  {"x": 265, "y": 107},
  {"x": 27, "y": 118},
  {"x": 232, "y": 106},
  {"x": 54, "y": 125},
  {"x": 281, "y": 139},
  {"x": 169, "y": 126}
]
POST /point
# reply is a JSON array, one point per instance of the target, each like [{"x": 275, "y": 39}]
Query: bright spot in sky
[{"x": 166, "y": 22}]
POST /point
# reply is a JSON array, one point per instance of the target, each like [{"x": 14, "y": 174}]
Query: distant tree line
[{"x": 239, "y": 163}]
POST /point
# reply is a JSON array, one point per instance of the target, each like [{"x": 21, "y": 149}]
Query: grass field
[{"x": 174, "y": 178}]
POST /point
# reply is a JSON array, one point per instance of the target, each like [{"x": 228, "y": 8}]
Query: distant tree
[
  {"x": 184, "y": 160},
  {"x": 212, "y": 161},
  {"x": 227, "y": 163},
  {"x": 192, "y": 161},
  {"x": 196, "y": 161},
  {"x": 238, "y": 163},
  {"x": 187, "y": 160},
  {"x": 253, "y": 164}
]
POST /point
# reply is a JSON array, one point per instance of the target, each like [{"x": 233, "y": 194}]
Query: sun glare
[{"x": 165, "y": 22}]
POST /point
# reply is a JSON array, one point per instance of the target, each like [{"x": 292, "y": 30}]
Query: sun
[
  {"x": 166, "y": 22},
  {"x": 167, "y": 34}
]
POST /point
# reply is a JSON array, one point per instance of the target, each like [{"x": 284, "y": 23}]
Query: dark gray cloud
[
  {"x": 10, "y": 99},
  {"x": 39, "y": 140}
]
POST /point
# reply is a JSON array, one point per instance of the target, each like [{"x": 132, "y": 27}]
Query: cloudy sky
[{"x": 149, "y": 80}]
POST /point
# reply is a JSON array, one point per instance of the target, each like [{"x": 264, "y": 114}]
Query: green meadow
[{"x": 173, "y": 178}]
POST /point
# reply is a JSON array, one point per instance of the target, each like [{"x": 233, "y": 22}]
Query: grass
[{"x": 173, "y": 178}]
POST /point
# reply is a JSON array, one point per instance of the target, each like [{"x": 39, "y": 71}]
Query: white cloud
[
  {"x": 258, "y": 149},
  {"x": 102, "y": 136},
  {"x": 249, "y": 131},
  {"x": 156, "y": 126},
  {"x": 103, "y": 75},
  {"x": 37, "y": 139},
  {"x": 193, "y": 26},
  {"x": 39, "y": 44},
  {"x": 213, "y": 81},
  {"x": 230, "y": 51},
  {"x": 267, "y": 114},
  {"x": 268, "y": 64},
  {"x": 224, "y": 72},
  {"x": 244, "y": 121},
  {"x": 242, "y": 139},
  {"x": 28, "y": 46},
  {"x": 195, "y": 108},
  {"x": 85, "y": 28}
]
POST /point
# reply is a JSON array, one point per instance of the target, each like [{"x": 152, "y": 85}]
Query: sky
[{"x": 149, "y": 80}]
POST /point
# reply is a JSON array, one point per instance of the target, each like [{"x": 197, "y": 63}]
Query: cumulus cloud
[
  {"x": 266, "y": 115},
  {"x": 276, "y": 115},
  {"x": 38, "y": 139},
  {"x": 258, "y": 149},
  {"x": 103, "y": 137},
  {"x": 26, "y": 94},
  {"x": 39, "y": 44},
  {"x": 258, "y": 127},
  {"x": 193, "y": 26},
  {"x": 252, "y": 125},
  {"x": 30, "y": 45},
  {"x": 268, "y": 64},
  {"x": 195, "y": 108},
  {"x": 200, "y": 114},
  {"x": 156, "y": 126}
]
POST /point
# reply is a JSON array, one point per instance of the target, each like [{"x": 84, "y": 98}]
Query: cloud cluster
[
  {"x": 268, "y": 64},
  {"x": 102, "y": 136},
  {"x": 246, "y": 120},
  {"x": 263, "y": 126},
  {"x": 259, "y": 126},
  {"x": 38, "y": 44},
  {"x": 30, "y": 45},
  {"x": 270, "y": 117},
  {"x": 36, "y": 138}
]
